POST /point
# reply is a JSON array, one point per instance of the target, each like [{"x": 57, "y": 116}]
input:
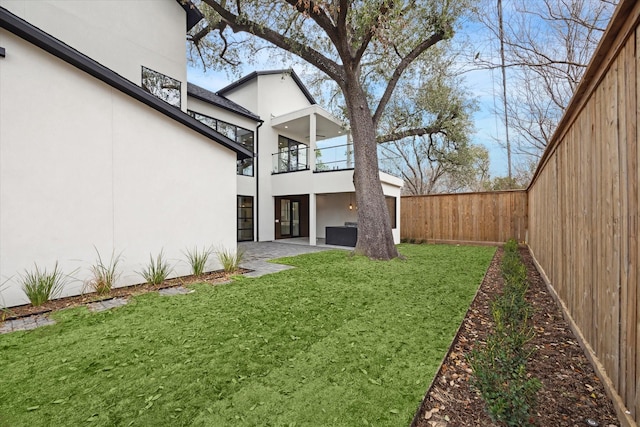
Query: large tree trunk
[{"x": 375, "y": 239}]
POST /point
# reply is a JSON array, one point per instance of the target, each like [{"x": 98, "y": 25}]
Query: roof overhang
[{"x": 298, "y": 123}]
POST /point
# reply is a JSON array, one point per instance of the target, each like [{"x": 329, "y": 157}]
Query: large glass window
[
  {"x": 242, "y": 136},
  {"x": 161, "y": 86},
  {"x": 291, "y": 156},
  {"x": 245, "y": 218}
]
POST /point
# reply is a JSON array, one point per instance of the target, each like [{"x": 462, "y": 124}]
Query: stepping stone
[
  {"x": 25, "y": 323},
  {"x": 107, "y": 304},
  {"x": 178, "y": 290}
]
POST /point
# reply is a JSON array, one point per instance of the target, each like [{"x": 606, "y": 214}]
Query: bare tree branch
[{"x": 310, "y": 55}]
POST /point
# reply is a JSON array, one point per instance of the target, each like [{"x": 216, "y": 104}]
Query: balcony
[
  {"x": 334, "y": 158},
  {"x": 290, "y": 160},
  {"x": 330, "y": 157}
]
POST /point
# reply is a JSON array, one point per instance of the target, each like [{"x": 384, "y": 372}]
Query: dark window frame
[
  {"x": 292, "y": 155},
  {"x": 242, "y": 164},
  {"x": 241, "y": 209}
]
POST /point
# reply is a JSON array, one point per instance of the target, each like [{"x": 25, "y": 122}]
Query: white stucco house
[
  {"x": 104, "y": 146},
  {"x": 300, "y": 182}
]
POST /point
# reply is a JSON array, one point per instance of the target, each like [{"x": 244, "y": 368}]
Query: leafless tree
[
  {"x": 429, "y": 170},
  {"x": 548, "y": 45}
]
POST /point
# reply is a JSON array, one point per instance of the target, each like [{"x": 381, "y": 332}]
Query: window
[
  {"x": 245, "y": 218},
  {"x": 161, "y": 86},
  {"x": 209, "y": 121},
  {"x": 245, "y": 138},
  {"x": 291, "y": 156},
  {"x": 235, "y": 133},
  {"x": 391, "y": 205}
]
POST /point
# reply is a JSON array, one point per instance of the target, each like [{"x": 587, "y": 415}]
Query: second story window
[
  {"x": 242, "y": 136},
  {"x": 292, "y": 156},
  {"x": 161, "y": 86}
]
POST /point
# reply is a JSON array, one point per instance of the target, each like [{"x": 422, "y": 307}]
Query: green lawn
[{"x": 337, "y": 341}]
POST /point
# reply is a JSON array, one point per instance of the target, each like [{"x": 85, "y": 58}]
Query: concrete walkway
[{"x": 256, "y": 257}]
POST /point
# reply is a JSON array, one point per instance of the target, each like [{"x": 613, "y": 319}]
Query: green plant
[
  {"x": 41, "y": 286},
  {"x": 4, "y": 312},
  {"x": 500, "y": 366},
  {"x": 509, "y": 393},
  {"x": 229, "y": 259},
  {"x": 157, "y": 270},
  {"x": 198, "y": 259},
  {"x": 105, "y": 275}
]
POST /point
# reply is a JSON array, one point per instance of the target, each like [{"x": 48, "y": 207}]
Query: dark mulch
[
  {"x": 571, "y": 392},
  {"x": 213, "y": 277}
]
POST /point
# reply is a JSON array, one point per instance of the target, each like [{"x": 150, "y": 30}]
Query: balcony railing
[
  {"x": 340, "y": 157},
  {"x": 334, "y": 158},
  {"x": 290, "y": 160},
  {"x": 328, "y": 159}
]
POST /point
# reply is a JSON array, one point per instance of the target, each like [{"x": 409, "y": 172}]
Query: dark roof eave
[
  {"x": 193, "y": 13},
  {"x": 248, "y": 116},
  {"x": 201, "y": 93},
  {"x": 50, "y": 44},
  {"x": 255, "y": 74}
]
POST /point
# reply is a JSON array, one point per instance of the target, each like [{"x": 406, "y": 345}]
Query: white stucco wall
[
  {"x": 275, "y": 95},
  {"x": 83, "y": 165},
  {"x": 246, "y": 184},
  {"x": 122, "y": 35},
  {"x": 333, "y": 210}
]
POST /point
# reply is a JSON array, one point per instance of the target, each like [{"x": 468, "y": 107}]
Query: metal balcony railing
[
  {"x": 290, "y": 160},
  {"x": 340, "y": 157},
  {"x": 334, "y": 158}
]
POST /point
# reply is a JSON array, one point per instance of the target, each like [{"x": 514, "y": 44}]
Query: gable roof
[
  {"x": 219, "y": 101},
  {"x": 50, "y": 44},
  {"x": 193, "y": 13},
  {"x": 246, "y": 79}
]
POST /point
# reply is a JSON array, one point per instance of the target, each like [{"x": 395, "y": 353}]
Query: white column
[
  {"x": 312, "y": 219},
  {"x": 312, "y": 165},
  {"x": 312, "y": 141}
]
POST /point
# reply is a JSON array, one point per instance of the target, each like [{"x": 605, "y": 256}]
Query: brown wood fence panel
[
  {"x": 583, "y": 211},
  {"x": 491, "y": 217}
]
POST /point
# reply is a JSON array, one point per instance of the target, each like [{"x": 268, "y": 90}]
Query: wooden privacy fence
[
  {"x": 581, "y": 213},
  {"x": 469, "y": 217}
]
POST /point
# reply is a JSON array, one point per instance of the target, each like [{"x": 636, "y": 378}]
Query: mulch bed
[
  {"x": 213, "y": 277},
  {"x": 571, "y": 392}
]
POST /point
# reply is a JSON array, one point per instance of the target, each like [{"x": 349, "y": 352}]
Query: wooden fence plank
[{"x": 469, "y": 217}]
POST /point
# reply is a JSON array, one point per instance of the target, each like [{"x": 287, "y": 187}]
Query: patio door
[
  {"x": 289, "y": 218},
  {"x": 292, "y": 217}
]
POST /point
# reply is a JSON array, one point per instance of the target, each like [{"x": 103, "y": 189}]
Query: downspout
[{"x": 257, "y": 173}]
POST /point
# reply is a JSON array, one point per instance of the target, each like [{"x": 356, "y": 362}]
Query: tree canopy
[{"x": 383, "y": 55}]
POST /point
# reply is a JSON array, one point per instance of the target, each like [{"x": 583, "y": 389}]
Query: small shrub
[
  {"x": 157, "y": 270},
  {"x": 500, "y": 366},
  {"x": 509, "y": 393},
  {"x": 41, "y": 286},
  {"x": 105, "y": 275},
  {"x": 198, "y": 259},
  {"x": 230, "y": 260},
  {"x": 4, "y": 312}
]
